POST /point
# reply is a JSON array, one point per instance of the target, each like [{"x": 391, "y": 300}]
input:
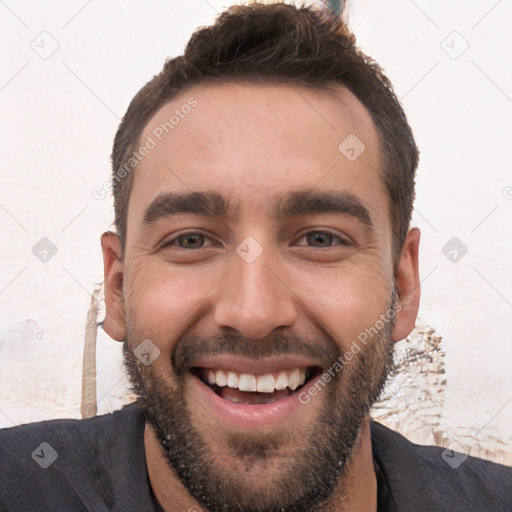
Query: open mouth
[{"x": 255, "y": 389}]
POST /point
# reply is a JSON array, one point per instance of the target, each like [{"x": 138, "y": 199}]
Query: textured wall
[{"x": 68, "y": 72}]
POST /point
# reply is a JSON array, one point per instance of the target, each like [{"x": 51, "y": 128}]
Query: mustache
[{"x": 189, "y": 349}]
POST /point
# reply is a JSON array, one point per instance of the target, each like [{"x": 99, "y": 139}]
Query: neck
[{"x": 359, "y": 483}]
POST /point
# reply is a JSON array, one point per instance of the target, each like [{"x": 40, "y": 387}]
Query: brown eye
[
  {"x": 319, "y": 239},
  {"x": 323, "y": 240},
  {"x": 191, "y": 241}
]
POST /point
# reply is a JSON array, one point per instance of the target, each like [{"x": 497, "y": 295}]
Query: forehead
[{"x": 253, "y": 142}]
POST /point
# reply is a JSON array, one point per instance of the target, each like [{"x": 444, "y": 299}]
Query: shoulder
[
  {"x": 74, "y": 438},
  {"x": 61, "y": 428},
  {"x": 434, "y": 478},
  {"x": 69, "y": 463}
]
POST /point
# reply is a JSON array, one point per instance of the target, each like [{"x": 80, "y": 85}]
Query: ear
[
  {"x": 407, "y": 280},
  {"x": 114, "y": 323}
]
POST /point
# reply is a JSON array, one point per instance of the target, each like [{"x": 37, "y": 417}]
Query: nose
[{"x": 254, "y": 300}]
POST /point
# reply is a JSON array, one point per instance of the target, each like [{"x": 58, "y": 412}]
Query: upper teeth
[{"x": 264, "y": 383}]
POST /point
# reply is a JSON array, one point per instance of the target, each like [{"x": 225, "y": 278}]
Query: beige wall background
[{"x": 69, "y": 70}]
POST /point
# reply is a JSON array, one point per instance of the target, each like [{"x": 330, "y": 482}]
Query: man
[{"x": 263, "y": 187}]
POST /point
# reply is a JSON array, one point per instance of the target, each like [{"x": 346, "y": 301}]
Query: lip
[
  {"x": 247, "y": 415},
  {"x": 244, "y": 365}
]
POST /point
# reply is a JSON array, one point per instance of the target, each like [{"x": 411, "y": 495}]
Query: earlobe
[
  {"x": 114, "y": 323},
  {"x": 408, "y": 286}
]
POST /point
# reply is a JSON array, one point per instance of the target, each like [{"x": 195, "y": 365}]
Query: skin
[{"x": 251, "y": 143}]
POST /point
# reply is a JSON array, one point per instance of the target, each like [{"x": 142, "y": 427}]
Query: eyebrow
[
  {"x": 308, "y": 202},
  {"x": 292, "y": 204},
  {"x": 209, "y": 204}
]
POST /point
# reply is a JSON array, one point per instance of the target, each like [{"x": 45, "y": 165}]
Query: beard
[{"x": 311, "y": 472}]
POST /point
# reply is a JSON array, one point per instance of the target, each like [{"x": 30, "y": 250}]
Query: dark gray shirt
[{"x": 99, "y": 465}]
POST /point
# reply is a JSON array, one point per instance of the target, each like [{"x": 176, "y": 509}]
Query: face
[{"x": 258, "y": 256}]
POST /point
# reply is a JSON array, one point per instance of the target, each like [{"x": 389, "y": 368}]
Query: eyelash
[
  {"x": 174, "y": 240},
  {"x": 343, "y": 242}
]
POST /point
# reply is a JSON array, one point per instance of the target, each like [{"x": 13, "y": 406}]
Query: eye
[
  {"x": 190, "y": 240},
  {"x": 323, "y": 239}
]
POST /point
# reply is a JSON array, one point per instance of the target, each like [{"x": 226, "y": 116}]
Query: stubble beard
[{"x": 306, "y": 481}]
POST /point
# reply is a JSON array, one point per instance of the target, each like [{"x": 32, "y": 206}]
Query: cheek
[
  {"x": 347, "y": 300},
  {"x": 162, "y": 302}
]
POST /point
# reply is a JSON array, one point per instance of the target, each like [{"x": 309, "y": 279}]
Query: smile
[{"x": 251, "y": 399}]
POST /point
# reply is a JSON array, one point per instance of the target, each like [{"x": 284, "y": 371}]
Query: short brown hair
[{"x": 278, "y": 43}]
